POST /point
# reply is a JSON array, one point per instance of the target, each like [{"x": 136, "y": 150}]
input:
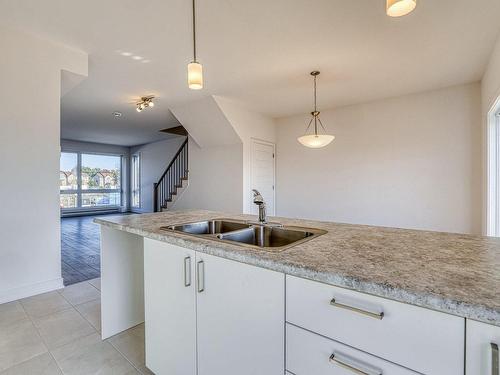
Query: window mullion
[{"x": 79, "y": 179}]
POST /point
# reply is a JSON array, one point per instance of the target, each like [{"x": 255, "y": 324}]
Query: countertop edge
[{"x": 464, "y": 310}]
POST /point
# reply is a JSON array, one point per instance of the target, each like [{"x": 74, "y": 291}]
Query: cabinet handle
[
  {"x": 200, "y": 273},
  {"x": 187, "y": 271},
  {"x": 352, "y": 368},
  {"x": 376, "y": 315},
  {"x": 494, "y": 359}
]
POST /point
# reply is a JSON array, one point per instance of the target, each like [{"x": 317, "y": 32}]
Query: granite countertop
[{"x": 453, "y": 273}]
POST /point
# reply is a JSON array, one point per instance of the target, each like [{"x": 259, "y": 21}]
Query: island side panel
[{"x": 122, "y": 281}]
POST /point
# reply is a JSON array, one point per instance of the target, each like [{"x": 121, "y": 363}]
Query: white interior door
[{"x": 262, "y": 176}]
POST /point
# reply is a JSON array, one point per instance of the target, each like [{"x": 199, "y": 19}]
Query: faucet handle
[{"x": 257, "y": 197}]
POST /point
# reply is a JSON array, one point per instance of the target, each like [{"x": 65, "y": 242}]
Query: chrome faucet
[{"x": 259, "y": 201}]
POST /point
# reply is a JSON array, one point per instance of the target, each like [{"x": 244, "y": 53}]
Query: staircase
[{"x": 172, "y": 180}]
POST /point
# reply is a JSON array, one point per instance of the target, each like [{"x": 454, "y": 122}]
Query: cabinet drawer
[
  {"x": 483, "y": 342},
  {"x": 423, "y": 340},
  {"x": 308, "y": 353}
]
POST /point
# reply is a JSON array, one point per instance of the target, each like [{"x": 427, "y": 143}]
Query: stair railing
[{"x": 172, "y": 178}]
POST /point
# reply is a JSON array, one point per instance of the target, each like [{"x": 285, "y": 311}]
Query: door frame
[
  {"x": 493, "y": 171},
  {"x": 252, "y": 151}
]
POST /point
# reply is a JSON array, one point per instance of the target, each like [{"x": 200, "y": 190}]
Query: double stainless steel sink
[{"x": 271, "y": 236}]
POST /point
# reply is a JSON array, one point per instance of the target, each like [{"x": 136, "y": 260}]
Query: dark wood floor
[{"x": 80, "y": 249}]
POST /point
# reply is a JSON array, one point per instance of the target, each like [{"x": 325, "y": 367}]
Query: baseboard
[
  {"x": 30, "y": 290},
  {"x": 91, "y": 212}
]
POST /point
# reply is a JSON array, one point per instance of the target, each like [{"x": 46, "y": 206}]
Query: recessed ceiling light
[
  {"x": 137, "y": 57},
  {"x": 126, "y": 53},
  {"x": 117, "y": 114},
  {"x": 145, "y": 61}
]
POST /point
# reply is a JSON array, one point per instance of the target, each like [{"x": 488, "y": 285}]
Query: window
[
  {"x": 90, "y": 180},
  {"x": 68, "y": 173},
  {"x": 68, "y": 179},
  {"x": 135, "y": 180}
]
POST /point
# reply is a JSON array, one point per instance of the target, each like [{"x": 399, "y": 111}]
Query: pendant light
[
  {"x": 398, "y": 8},
  {"x": 315, "y": 140},
  {"x": 195, "y": 70}
]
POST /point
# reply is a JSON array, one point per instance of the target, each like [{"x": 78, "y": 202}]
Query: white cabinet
[
  {"x": 483, "y": 341},
  {"x": 420, "y": 339},
  {"x": 170, "y": 308},
  {"x": 207, "y": 315},
  {"x": 240, "y": 316},
  {"x": 308, "y": 354}
]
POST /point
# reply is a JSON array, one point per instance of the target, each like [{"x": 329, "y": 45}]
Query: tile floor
[{"x": 59, "y": 333}]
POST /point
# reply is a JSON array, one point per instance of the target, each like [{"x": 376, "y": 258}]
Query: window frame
[
  {"x": 79, "y": 191},
  {"x": 132, "y": 174}
]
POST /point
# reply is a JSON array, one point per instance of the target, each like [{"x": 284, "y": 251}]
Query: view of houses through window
[{"x": 89, "y": 180}]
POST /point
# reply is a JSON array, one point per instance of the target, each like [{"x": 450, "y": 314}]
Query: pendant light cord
[
  {"x": 315, "y": 109},
  {"x": 194, "y": 32}
]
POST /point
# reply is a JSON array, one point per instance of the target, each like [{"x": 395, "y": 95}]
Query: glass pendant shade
[
  {"x": 398, "y": 8},
  {"x": 316, "y": 140},
  {"x": 195, "y": 76}
]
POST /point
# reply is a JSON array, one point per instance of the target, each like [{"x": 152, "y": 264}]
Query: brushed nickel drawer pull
[
  {"x": 200, "y": 273},
  {"x": 356, "y": 370},
  {"x": 187, "y": 271},
  {"x": 494, "y": 359},
  {"x": 377, "y": 315}
]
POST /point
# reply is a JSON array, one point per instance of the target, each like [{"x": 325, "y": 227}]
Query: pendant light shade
[
  {"x": 195, "y": 70},
  {"x": 315, "y": 140},
  {"x": 195, "y": 76},
  {"x": 398, "y": 8}
]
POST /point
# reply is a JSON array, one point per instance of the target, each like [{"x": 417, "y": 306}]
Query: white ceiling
[{"x": 258, "y": 52}]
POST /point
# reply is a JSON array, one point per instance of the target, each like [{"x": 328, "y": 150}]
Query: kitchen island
[{"x": 435, "y": 281}]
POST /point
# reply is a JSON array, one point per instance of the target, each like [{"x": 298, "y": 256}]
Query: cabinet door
[
  {"x": 170, "y": 308},
  {"x": 240, "y": 318},
  {"x": 483, "y": 341}
]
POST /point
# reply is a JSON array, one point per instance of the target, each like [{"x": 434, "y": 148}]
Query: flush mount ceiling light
[
  {"x": 195, "y": 70},
  {"x": 146, "y": 102},
  {"x": 315, "y": 140},
  {"x": 117, "y": 114},
  {"x": 398, "y": 8}
]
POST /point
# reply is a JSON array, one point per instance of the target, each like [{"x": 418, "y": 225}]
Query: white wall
[
  {"x": 215, "y": 178},
  {"x": 155, "y": 158},
  {"x": 91, "y": 147},
  {"x": 490, "y": 83},
  {"x": 30, "y": 90},
  {"x": 248, "y": 125},
  {"x": 206, "y": 123},
  {"x": 412, "y": 162},
  {"x": 219, "y": 133}
]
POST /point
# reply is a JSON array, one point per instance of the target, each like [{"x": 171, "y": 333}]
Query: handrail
[
  {"x": 173, "y": 160},
  {"x": 171, "y": 178}
]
